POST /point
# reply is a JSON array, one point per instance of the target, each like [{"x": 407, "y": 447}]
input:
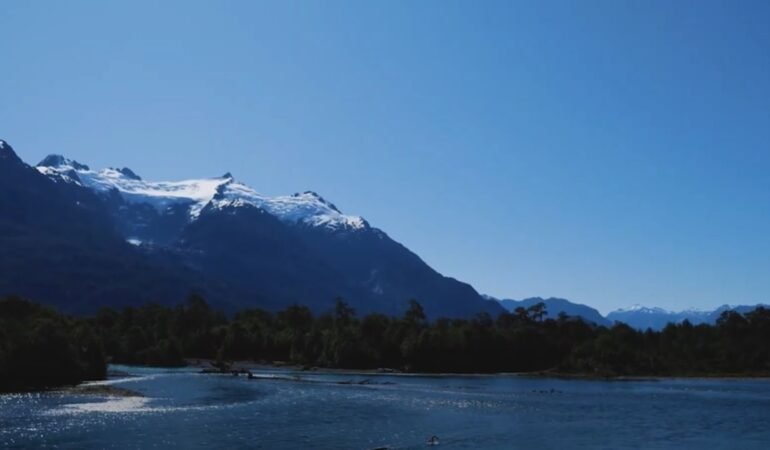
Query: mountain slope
[{"x": 388, "y": 272}]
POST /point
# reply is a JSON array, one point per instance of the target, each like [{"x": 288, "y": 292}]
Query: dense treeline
[
  {"x": 40, "y": 348},
  {"x": 35, "y": 340},
  {"x": 523, "y": 341}
]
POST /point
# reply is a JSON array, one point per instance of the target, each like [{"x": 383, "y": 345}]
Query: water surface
[{"x": 290, "y": 410}]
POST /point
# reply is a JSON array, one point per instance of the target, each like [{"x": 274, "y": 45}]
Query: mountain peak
[
  {"x": 314, "y": 195},
  {"x": 55, "y": 160},
  {"x": 130, "y": 174},
  {"x": 7, "y": 153}
]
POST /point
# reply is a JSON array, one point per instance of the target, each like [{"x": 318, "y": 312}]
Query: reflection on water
[
  {"x": 284, "y": 410},
  {"x": 111, "y": 405}
]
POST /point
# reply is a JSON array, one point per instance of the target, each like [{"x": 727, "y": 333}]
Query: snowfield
[{"x": 308, "y": 207}]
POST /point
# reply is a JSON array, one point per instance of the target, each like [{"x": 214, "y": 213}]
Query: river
[{"x": 282, "y": 409}]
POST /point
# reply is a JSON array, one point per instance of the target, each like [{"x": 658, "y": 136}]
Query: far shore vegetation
[{"x": 41, "y": 349}]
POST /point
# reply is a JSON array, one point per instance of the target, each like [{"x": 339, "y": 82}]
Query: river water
[{"x": 298, "y": 410}]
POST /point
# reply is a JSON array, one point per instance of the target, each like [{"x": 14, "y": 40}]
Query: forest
[{"x": 40, "y": 348}]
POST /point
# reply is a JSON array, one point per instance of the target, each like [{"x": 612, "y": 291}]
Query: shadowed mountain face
[
  {"x": 262, "y": 260},
  {"x": 60, "y": 246},
  {"x": 388, "y": 272},
  {"x": 80, "y": 238}
]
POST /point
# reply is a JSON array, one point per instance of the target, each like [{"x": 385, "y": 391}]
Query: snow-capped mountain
[
  {"x": 637, "y": 316},
  {"x": 82, "y": 238},
  {"x": 641, "y": 309},
  {"x": 194, "y": 195},
  {"x": 642, "y": 317}
]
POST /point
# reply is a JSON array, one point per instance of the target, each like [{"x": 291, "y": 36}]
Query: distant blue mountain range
[
  {"x": 554, "y": 306},
  {"x": 656, "y": 318},
  {"x": 637, "y": 316}
]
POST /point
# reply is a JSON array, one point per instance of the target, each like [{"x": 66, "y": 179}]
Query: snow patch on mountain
[
  {"x": 307, "y": 208},
  {"x": 643, "y": 310}
]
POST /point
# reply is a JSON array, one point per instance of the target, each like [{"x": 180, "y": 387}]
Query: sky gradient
[{"x": 609, "y": 152}]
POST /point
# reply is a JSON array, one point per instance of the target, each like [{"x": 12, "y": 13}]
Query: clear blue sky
[{"x": 611, "y": 152}]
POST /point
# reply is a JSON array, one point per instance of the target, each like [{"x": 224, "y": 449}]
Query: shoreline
[
  {"x": 245, "y": 366},
  {"x": 204, "y": 366}
]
